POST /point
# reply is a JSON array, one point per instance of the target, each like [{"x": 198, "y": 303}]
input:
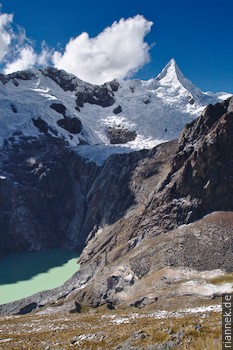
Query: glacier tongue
[{"x": 125, "y": 115}]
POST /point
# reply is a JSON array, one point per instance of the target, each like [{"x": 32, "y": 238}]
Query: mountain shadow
[{"x": 51, "y": 197}]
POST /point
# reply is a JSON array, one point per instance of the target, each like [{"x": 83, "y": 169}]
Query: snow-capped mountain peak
[
  {"x": 172, "y": 76},
  {"x": 170, "y": 73},
  {"x": 124, "y": 115}
]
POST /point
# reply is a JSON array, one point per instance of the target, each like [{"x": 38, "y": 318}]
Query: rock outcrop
[
  {"x": 99, "y": 95},
  {"x": 73, "y": 125},
  {"x": 120, "y": 135},
  {"x": 59, "y": 108},
  {"x": 117, "y": 110}
]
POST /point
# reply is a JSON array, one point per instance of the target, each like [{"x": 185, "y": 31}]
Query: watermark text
[{"x": 227, "y": 304}]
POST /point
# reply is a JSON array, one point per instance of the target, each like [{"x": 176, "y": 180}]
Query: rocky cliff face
[
  {"x": 200, "y": 180},
  {"x": 51, "y": 197},
  {"x": 131, "y": 255},
  {"x": 38, "y": 195}
]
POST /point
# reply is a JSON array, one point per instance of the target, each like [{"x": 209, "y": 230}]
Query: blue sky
[{"x": 198, "y": 34}]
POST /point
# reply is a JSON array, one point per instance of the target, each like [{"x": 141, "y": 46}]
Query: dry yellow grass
[
  {"x": 104, "y": 329},
  {"x": 227, "y": 278},
  {"x": 203, "y": 344}
]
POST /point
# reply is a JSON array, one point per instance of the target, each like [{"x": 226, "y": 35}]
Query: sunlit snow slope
[{"x": 154, "y": 111}]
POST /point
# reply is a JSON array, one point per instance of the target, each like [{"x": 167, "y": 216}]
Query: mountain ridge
[{"x": 125, "y": 115}]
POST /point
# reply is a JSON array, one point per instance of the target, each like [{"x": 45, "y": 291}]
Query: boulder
[
  {"x": 59, "y": 108},
  {"x": 120, "y": 135},
  {"x": 117, "y": 110},
  {"x": 41, "y": 125},
  {"x": 73, "y": 125}
]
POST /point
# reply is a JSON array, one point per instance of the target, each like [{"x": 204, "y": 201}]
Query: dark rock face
[
  {"x": 22, "y": 75},
  {"x": 114, "y": 85},
  {"x": 202, "y": 169},
  {"x": 59, "y": 108},
  {"x": 51, "y": 197},
  {"x": 73, "y": 125},
  {"x": 60, "y": 77},
  {"x": 14, "y": 109},
  {"x": 191, "y": 100},
  {"x": 37, "y": 196},
  {"x": 119, "y": 135},
  {"x": 99, "y": 95},
  {"x": 27, "y": 309},
  {"x": 41, "y": 125},
  {"x": 146, "y": 101},
  {"x": 3, "y": 78},
  {"x": 110, "y": 195},
  {"x": 117, "y": 110},
  {"x": 132, "y": 89},
  {"x": 200, "y": 127}
]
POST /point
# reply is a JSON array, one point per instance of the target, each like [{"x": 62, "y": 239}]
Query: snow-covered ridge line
[{"x": 132, "y": 114}]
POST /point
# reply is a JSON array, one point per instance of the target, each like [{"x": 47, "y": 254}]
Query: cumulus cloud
[
  {"x": 27, "y": 59},
  {"x": 44, "y": 58},
  {"x": 16, "y": 50},
  {"x": 118, "y": 52},
  {"x": 6, "y": 33}
]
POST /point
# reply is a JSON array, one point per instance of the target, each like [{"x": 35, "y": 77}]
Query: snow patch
[
  {"x": 201, "y": 288},
  {"x": 163, "y": 314}
]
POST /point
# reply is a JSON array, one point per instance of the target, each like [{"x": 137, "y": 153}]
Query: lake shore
[{"x": 24, "y": 274}]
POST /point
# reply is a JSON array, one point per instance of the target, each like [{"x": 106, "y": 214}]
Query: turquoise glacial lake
[{"x": 24, "y": 274}]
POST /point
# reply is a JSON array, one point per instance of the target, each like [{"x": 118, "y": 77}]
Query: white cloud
[
  {"x": 44, "y": 58},
  {"x": 117, "y": 52},
  {"x": 6, "y": 33},
  {"x": 27, "y": 59},
  {"x": 16, "y": 50}
]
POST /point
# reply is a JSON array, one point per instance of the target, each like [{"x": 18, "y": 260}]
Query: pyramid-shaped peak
[
  {"x": 172, "y": 77},
  {"x": 171, "y": 72},
  {"x": 172, "y": 62}
]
